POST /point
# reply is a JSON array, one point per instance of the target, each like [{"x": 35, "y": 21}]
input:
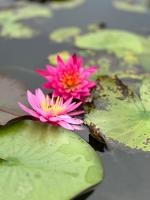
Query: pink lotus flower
[
  {"x": 53, "y": 111},
  {"x": 69, "y": 79}
]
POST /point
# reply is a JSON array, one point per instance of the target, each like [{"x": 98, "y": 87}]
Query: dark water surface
[{"x": 127, "y": 174}]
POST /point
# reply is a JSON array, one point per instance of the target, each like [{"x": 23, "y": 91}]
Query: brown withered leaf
[{"x": 11, "y": 91}]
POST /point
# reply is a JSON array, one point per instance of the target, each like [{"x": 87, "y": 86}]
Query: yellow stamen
[
  {"x": 45, "y": 104},
  {"x": 56, "y": 107}
]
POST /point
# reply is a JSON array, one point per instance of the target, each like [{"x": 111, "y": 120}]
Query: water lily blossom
[
  {"x": 54, "y": 111},
  {"x": 69, "y": 79}
]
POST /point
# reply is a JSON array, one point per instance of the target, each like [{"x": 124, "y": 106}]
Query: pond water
[{"x": 127, "y": 174}]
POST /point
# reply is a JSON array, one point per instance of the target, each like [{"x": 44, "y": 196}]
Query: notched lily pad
[
  {"x": 45, "y": 162},
  {"x": 11, "y": 92},
  {"x": 124, "y": 118},
  {"x": 64, "y": 34}
]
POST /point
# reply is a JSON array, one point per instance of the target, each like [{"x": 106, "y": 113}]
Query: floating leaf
[
  {"x": 128, "y": 47},
  {"x": 33, "y": 10},
  {"x": 93, "y": 27},
  {"x": 145, "y": 94},
  {"x": 122, "y": 116},
  {"x": 109, "y": 65},
  {"x": 140, "y": 6},
  {"x": 53, "y": 57},
  {"x": 43, "y": 162},
  {"x": 112, "y": 40},
  {"x": 68, "y": 4},
  {"x": 11, "y": 92},
  {"x": 16, "y": 30},
  {"x": 11, "y": 25},
  {"x": 64, "y": 34}
]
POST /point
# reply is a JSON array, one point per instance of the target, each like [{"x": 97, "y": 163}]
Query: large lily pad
[
  {"x": 129, "y": 47},
  {"x": 11, "y": 92},
  {"x": 121, "y": 115},
  {"x": 39, "y": 161},
  {"x": 111, "y": 40}
]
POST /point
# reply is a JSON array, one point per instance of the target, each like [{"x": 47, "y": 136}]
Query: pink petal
[
  {"x": 39, "y": 95},
  {"x": 41, "y": 72},
  {"x": 42, "y": 119},
  {"x": 51, "y": 70},
  {"x": 53, "y": 119},
  {"x": 76, "y": 113},
  {"x": 68, "y": 101},
  {"x": 28, "y": 110},
  {"x": 89, "y": 72},
  {"x": 55, "y": 94},
  {"x": 74, "y": 58},
  {"x": 71, "y": 60},
  {"x": 70, "y": 120},
  {"x": 73, "y": 106},
  {"x": 65, "y": 125},
  {"x": 80, "y": 62},
  {"x": 33, "y": 101},
  {"x": 60, "y": 62},
  {"x": 91, "y": 84},
  {"x": 79, "y": 128},
  {"x": 47, "y": 85}
]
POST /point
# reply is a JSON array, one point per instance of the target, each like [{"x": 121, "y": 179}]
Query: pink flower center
[{"x": 70, "y": 81}]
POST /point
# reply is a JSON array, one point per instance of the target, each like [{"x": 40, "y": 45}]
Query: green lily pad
[
  {"x": 130, "y": 49},
  {"x": 68, "y": 4},
  {"x": 121, "y": 115},
  {"x": 140, "y": 6},
  {"x": 112, "y": 40},
  {"x": 64, "y": 34},
  {"x": 40, "y": 161},
  {"x": 108, "y": 64},
  {"x": 93, "y": 27},
  {"x": 53, "y": 57},
  {"x": 10, "y": 20}
]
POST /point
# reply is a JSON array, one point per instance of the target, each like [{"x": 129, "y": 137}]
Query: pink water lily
[
  {"x": 53, "y": 110},
  {"x": 69, "y": 79}
]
